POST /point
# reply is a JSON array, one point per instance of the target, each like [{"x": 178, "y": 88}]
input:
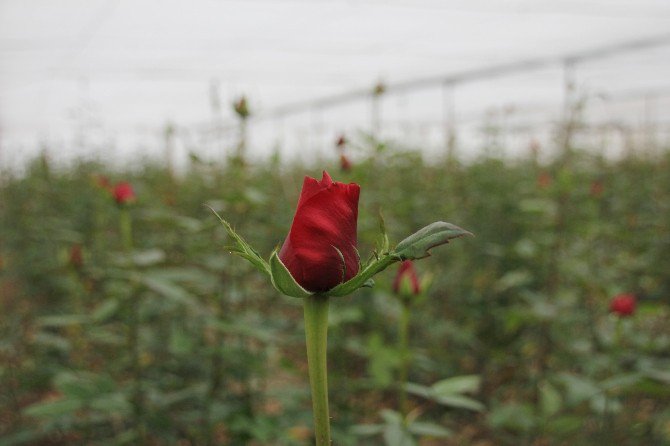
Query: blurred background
[
  {"x": 541, "y": 126},
  {"x": 91, "y": 78}
]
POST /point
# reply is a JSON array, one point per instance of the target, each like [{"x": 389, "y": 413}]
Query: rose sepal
[
  {"x": 282, "y": 279},
  {"x": 364, "y": 277},
  {"x": 244, "y": 249}
]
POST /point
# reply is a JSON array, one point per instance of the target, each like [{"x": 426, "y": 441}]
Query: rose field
[{"x": 129, "y": 314}]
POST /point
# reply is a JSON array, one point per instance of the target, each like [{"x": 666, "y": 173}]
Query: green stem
[
  {"x": 241, "y": 146},
  {"x": 125, "y": 227},
  {"x": 316, "y": 335},
  {"x": 403, "y": 347},
  {"x": 618, "y": 334}
]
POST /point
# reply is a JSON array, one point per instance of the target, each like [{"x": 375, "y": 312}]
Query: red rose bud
[
  {"x": 597, "y": 189},
  {"x": 102, "y": 182},
  {"x": 123, "y": 193},
  {"x": 406, "y": 281},
  {"x": 345, "y": 163},
  {"x": 320, "y": 250},
  {"x": 241, "y": 108},
  {"x": 341, "y": 142},
  {"x": 623, "y": 304},
  {"x": 76, "y": 256},
  {"x": 544, "y": 180}
]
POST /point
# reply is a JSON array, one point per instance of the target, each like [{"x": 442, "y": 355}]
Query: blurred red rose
[
  {"x": 597, "y": 189},
  {"x": 123, "y": 193},
  {"x": 76, "y": 256},
  {"x": 544, "y": 180},
  {"x": 320, "y": 250},
  {"x": 406, "y": 281},
  {"x": 623, "y": 304},
  {"x": 102, "y": 182},
  {"x": 345, "y": 163}
]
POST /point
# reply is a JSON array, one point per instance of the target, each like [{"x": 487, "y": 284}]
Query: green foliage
[
  {"x": 450, "y": 392},
  {"x": 178, "y": 342}
]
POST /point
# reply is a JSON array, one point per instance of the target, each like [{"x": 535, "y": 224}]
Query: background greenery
[{"x": 178, "y": 342}]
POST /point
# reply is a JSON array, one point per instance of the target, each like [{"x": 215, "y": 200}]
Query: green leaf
[
  {"x": 52, "y": 340},
  {"x": 417, "y": 245},
  {"x": 419, "y": 390},
  {"x": 429, "y": 430},
  {"x": 456, "y": 385},
  {"x": 446, "y": 392},
  {"x": 578, "y": 388},
  {"x": 244, "y": 249},
  {"x": 53, "y": 408},
  {"x": 282, "y": 279},
  {"x": 391, "y": 416},
  {"x": 565, "y": 424},
  {"x": 62, "y": 320},
  {"x": 550, "y": 400},
  {"x": 460, "y": 402},
  {"x": 27, "y": 436},
  {"x": 241, "y": 328},
  {"x": 622, "y": 381},
  {"x": 180, "y": 342},
  {"x": 112, "y": 404},
  {"x": 83, "y": 385},
  {"x": 658, "y": 375},
  {"x": 604, "y": 404},
  {"x": 148, "y": 257},
  {"x": 105, "y": 310},
  {"x": 514, "y": 416},
  {"x": 383, "y": 360},
  {"x": 366, "y": 430},
  {"x": 397, "y": 435},
  {"x": 170, "y": 290}
]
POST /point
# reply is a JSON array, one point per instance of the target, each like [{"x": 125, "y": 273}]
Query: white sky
[{"x": 79, "y": 74}]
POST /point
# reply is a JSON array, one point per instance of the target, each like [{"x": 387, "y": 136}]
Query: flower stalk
[
  {"x": 319, "y": 259},
  {"x": 316, "y": 337},
  {"x": 403, "y": 347},
  {"x": 126, "y": 230},
  {"x": 125, "y": 227}
]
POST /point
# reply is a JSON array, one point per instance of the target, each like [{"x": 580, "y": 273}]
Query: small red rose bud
[
  {"x": 345, "y": 163},
  {"x": 241, "y": 108},
  {"x": 623, "y": 304},
  {"x": 102, "y": 182},
  {"x": 406, "y": 280},
  {"x": 341, "y": 142},
  {"x": 123, "y": 193},
  {"x": 76, "y": 256},
  {"x": 320, "y": 250},
  {"x": 544, "y": 180},
  {"x": 597, "y": 189}
]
